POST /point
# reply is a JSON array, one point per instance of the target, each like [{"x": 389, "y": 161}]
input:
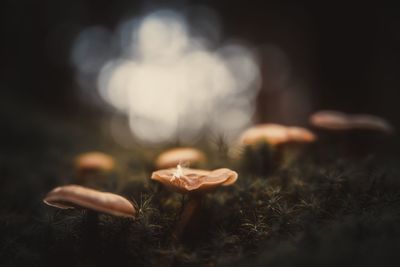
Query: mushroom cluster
[
  {"x": 91, "y": 166},
  {"x": 266, "y": 145}
]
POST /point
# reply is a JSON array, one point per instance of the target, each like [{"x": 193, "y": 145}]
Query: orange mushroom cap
[
  {"x": 71, "y": 196},
  {"x": 94, "y": 161},
  {"x": 299, "y": 134},
  {"x": 276, "y": 134},
  {"x": 175, "y": 156},
  {"x": 186, "y": 180}
]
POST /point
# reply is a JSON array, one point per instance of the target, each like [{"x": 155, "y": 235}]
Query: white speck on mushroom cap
[{"x": 178, "y": 173}]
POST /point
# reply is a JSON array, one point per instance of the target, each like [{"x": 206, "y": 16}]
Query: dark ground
[
  {"x": 326, "y": 208},
  {"x": 330, "y": 207}
]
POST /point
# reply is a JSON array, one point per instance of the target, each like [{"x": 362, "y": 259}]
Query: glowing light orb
[{"x": 172, "y": 85}]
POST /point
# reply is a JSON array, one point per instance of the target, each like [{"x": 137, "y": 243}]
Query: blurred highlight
[{"x": 172, "y": 79}]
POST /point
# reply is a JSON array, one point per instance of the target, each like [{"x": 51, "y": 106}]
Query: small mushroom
[
  {"x": 181, "y": 155},
  {"x": 195, "y": 183},
  {"x": 335, "y": 120},
  {"x": 372, "y": 122},
  {"x": 94, "y": 169},
  {"x": 275, "y": 134},
  {"x": 273, "y": 142},
  {"x": 75, "y": 196},
  {"x": 358, "y": 133},
  {"x": 328, "y": 119}
]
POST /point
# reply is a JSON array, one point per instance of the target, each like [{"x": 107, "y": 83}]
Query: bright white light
[{"x": 173, "y": 86}]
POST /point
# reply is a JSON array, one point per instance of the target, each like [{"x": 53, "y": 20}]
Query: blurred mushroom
[
  {"x": 275, "y": 135},
  {"x": 181, "y": 155},
  {"x": 195, "y": 183},
  {"x": 273, "y": 142},
  {"x": 335, "y": 120},
  {"x": 358, "y": 133},
  {"x": 94, "y": 169},
  {"x": 366, "y": 121},
  {"x": 75, "y": 196}
]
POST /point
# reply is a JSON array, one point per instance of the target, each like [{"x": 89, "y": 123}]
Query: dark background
[{"x": 347, "y": 54}]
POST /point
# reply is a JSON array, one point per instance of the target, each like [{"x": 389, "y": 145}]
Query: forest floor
[{"x": 326, "y": 207}]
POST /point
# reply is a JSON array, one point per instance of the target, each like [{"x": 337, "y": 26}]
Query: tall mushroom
[
  {"x": 358, "y": 132},
  {"x": 94, "y": 169},
  {"x": 181, "y": 155},
  {"x": 273, "y": 142},
  {"x": 195, "y": 183}
]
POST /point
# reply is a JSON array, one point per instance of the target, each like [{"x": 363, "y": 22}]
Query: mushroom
[
  {"x": 359, "y": 133},
  {"x": 275, "y": 134},
  {"x": 94, "y": 168},
  {"x": 281, "y": 143},
  {"x": 181, "y": 155},
  {"x": 335, "y": 120},
  {"x": 73, "y": 196},
  {"x": 93, "y": 201},
  {"x": 195, "y": 183}
]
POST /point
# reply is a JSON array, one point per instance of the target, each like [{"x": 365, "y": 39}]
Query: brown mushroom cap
[
  {"x": 276, "y": 134},
  {"x": 175, "y": 156},
  {"x": 335, "y": 120},
  {"x": 186, "y": 180},
  {"x": 71, "y": 196},
  {"x": 94, "y": 161}
]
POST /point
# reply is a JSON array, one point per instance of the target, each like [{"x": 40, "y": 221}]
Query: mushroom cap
[
  {"x": 194, "y": 180},
  {"x": 71, "y": 196},
  {"x": 175, "y": 156},
  {"x": 94, "y": 161},
  {"x": 302, "y": 135},
  {"x": 276, "y": 134},
  {"x": 372, "y": 122},
  {"x": 335, "y": 120}
]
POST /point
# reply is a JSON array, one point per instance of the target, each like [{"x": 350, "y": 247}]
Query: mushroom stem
[
  {"x": 288, "y": 153},
  {"x": 92, "y": 221},
  {"x": 91, "y": 228},
  {"x": 190, "y": 210}
]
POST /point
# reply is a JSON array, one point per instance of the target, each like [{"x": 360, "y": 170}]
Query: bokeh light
[{"x": 174, "y": 80}]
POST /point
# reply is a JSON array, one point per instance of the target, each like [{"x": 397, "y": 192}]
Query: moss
[{"x": 320, "y": 208}]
